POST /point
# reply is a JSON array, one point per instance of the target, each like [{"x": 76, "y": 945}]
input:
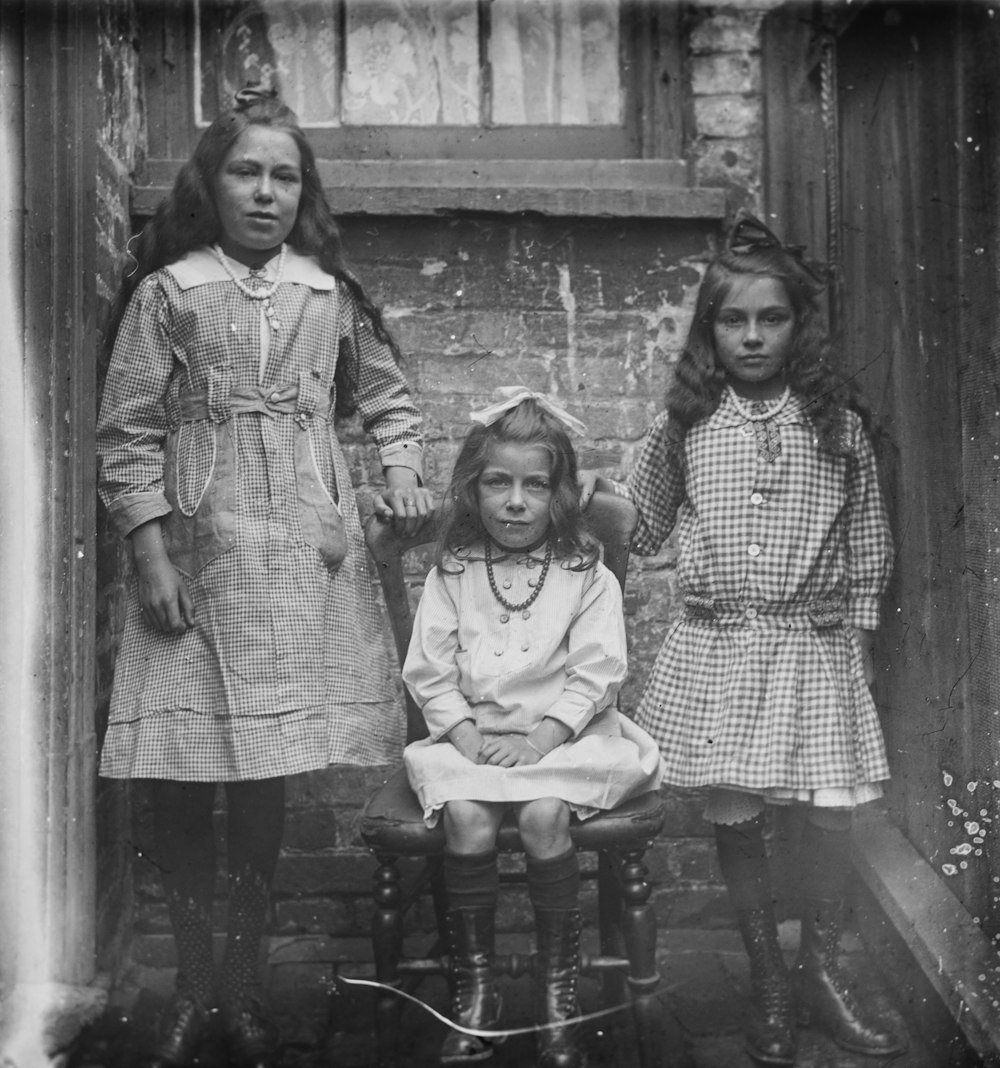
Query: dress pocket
[
  {"x": 199, "y": 477},
  {"x": 319, "y": 513}
]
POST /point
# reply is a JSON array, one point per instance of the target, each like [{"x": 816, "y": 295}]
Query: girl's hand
[
  {"x": 465, "y": 737},
  {"x": 866, "y": 639},
  {"x": 406, "y": 504},
  {"x": 591, "y": 482},
  {"x": 507, "y": 751},
  {"x": 163, "y": 595}
]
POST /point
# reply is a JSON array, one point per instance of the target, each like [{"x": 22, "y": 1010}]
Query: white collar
[{"x": 200, "y": 267}]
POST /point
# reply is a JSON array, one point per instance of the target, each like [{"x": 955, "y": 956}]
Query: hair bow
[
  {"x": 254, "y": 93},
  {"x": 511, "y": 397},
  {"x": 749, "y": 234}
]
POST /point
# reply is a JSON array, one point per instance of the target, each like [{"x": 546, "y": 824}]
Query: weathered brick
[
  {"x": 734, "y": 162},
  {"x": 727, "y": 116},
  {"x": 726, "y": 28},
  {"x": 714, "y": 74},
  {"x": 315, "y": 915}
]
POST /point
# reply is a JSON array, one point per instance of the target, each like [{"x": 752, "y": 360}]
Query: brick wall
[
  {"x": 120, "y": 140},
  {"x": 594, "y": 311}
]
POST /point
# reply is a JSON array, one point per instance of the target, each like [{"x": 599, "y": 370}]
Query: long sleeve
[
  {"x": 132, "y": 425},
  {"x": 431, "y": 669},
  {"x": 381, "y": 392},
  {"x": 656, "y": 487},
  {"x": 869, "y": 539},
  {"x": 596, "y": 661}
]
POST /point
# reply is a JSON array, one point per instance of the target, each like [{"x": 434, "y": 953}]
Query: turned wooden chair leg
[
  {"x": 659, "y": 1038},
  {"x": 387, "y": 946},
  {"x": 609, "y": 916}
]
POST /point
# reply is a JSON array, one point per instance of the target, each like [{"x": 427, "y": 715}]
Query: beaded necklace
[
  {"x": 524, "y": 605},
  {"x": 767, "y": 412},
  {"x": 265, "y": 293}
]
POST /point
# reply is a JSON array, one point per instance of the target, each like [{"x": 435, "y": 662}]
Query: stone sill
[
  {"x": 928, "y": 942},
  {"x": 650, "y": 189}
]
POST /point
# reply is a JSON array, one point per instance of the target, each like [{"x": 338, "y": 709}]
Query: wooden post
[{"x": 48, "y": 96}]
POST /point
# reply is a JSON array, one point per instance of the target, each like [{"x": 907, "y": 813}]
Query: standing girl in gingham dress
[
  {"x": 760, "y": 690},
  {"x": 517, "y": 655},
  {"x": 252, "y": 645}
]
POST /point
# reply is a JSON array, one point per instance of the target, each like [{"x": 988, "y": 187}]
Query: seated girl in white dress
[{"x": 517, "y": 656}]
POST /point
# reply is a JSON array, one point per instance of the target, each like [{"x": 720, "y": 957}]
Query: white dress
[{"x": 564, "y": 657}]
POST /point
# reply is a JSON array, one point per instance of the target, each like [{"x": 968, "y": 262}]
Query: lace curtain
[{"x": 418, "y": 62}]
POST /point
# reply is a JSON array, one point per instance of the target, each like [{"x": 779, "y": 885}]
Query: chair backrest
[{"x": 611, "y": 518}]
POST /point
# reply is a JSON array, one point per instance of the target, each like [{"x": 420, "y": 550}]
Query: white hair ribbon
[{"x": 511, "y": 397}]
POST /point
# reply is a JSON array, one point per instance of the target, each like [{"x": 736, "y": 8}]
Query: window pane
[
  {"x": 412, "y": 63},
  {"x": 288, "y": 45},
  {"x": 555, "y": 62}
]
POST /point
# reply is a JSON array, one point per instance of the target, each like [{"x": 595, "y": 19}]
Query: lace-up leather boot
[
  {"x": 770, "y": 1028},
  {"x": 823, "y": 992},
  {"x": 182, "y": 1028},
  {"x": 557, "y": 970},
  {"x": 475, "y": 1000},
  {"x": 251, "y": 1037}
]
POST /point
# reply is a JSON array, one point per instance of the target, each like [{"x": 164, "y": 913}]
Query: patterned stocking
[
  {"x": 256, "y": 817},
  {"x": 185, "y": 854}
]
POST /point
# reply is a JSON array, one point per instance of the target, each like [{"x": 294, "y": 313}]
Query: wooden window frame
[{"x": 637, "y": 169}]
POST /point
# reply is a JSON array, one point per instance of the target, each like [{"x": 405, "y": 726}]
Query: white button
[
  {"x": 753, "y": 549},
  {"x": 756, "y": 498},
  {"x": 751, "y": 612}
]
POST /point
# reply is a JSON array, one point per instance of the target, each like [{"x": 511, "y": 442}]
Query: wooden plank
[
  {"x": 617, "y": 188},
  {"x": 951, "y": 954}
]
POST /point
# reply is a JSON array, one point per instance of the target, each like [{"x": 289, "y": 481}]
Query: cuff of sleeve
[
  {"x": 619, "y": 489},
  {"x": 131, "y": 511},
  {"x": 404, "y": 454},
  {"x": 862, "y": 612},
  {"x": 573, "y": 716},
  {"x": 441, "y": 720}
]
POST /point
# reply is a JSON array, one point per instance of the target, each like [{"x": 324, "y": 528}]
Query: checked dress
[
  {"x": 783, "y": 551},
  {"x": 217, "y": 419}
]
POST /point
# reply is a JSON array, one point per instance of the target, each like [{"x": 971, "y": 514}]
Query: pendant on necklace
[{"x": 272, "y": 315}]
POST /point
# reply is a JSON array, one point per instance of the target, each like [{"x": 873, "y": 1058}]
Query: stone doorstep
[
  {"x": 40, "y": 1020},
  {"x": 944, "y": 963}
]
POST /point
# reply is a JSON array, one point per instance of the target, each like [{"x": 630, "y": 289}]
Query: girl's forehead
[
  {"x": 755, "y": 291},
  {"x": 518, "y": 456},
  {"x": 265, "y": 144}
]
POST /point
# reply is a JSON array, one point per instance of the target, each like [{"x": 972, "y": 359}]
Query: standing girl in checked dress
[
  {"x": 760, "y": 690},
  {"x": 517, "y": 655},
  {"x": 252, "y": 646}
]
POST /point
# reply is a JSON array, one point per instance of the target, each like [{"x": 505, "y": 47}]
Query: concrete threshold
[{"x": 929, "y": 945}]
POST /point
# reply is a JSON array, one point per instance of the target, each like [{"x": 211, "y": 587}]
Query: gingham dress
[
  {"x": 286, "y": 668},
  {"x": 783, "y": 551},
  {"x": 564, "y": 657}
]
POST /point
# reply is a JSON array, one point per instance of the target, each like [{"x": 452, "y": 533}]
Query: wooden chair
[{"x": 393, "y": 827}]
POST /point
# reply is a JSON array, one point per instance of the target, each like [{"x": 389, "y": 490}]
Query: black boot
[
  {"x": 251, "y": 1037},
  {"x": 770, "y": 1033},
  {"x": 823, "y": 991},
  {"x": 475, "y": 999},
  {"x": 557, "y": 970},
  {"x": 182, "y": 1028}
]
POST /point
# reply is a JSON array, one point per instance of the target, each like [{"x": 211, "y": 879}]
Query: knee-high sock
[
  {"x": 184, "y": 843},
  {"x": 255, "y": 824},
  {"x": 554, "y": 883},
  {"x": 471, "y": 880}
]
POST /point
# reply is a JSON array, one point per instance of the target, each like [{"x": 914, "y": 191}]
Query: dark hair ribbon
[{"x": 749, "y": 234}]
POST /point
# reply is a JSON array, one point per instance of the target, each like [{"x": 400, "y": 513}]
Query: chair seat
[{"x": 392, "y": 823}]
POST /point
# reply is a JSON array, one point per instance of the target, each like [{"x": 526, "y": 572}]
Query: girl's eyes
[{"x": 538, "y": 484}]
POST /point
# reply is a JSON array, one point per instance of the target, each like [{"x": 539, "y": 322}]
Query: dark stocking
[
  {"x": 184, "y": 846},
  {"x": 744, "y": 864},
  {"x": 255, "y": 822}
]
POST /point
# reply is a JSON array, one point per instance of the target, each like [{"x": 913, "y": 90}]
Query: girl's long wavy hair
[
  {"x": 698, "y": 381},
  {"x": 187, "y": 219},
  {"x": 527, "y": 424}
]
